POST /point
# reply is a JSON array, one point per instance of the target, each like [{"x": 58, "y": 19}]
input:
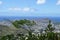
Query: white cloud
[
  {"x": 41, "y": 1},
  {"x": 1, "y": 2},
  {"x": 15, "y": 9},
  {"x": 58, "y": 2},
  {"x": 33, "y": 10},
  {"x": 26, "y": 9}
]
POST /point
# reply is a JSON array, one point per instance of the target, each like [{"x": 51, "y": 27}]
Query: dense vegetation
[
  {"x": 47, "y": 34},
  {"x": 19, "y": 23}
]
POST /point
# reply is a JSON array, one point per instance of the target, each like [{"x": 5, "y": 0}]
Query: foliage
[
  {"x": 18, "y": 23},
  {"x": 48, "y": 35}
]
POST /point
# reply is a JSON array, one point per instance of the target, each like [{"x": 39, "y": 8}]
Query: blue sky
[{"x": 29, "y": 7}]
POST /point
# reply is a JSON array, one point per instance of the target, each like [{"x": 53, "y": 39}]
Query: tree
[
  {"x": 50, "y": 32},
  {"x": 49, "y": 27}
]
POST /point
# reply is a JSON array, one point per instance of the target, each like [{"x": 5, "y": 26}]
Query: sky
[{"x": 30, "y": 8}]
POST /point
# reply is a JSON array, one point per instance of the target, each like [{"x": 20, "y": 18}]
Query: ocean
[{"x": 54, "y": 19}]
